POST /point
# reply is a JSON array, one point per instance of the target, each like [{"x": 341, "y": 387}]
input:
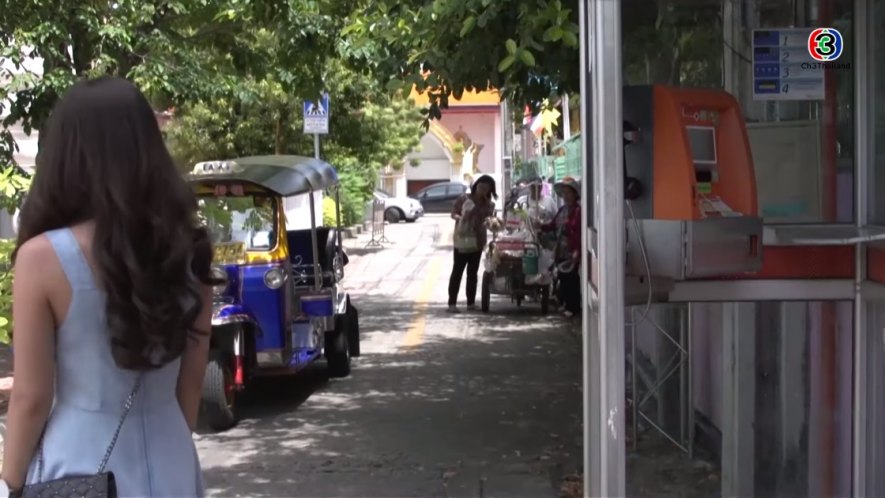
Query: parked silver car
[{"x": 397, "y": 209}]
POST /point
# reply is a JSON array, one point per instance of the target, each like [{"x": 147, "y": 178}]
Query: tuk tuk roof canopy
[{"x": 283, "y": 175}]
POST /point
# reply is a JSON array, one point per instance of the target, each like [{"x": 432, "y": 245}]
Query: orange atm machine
[{"x": 691, "y": 185}]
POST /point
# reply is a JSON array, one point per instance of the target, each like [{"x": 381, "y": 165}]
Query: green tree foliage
[
  {"x": 528, "y": 49},
  {"x": 246, "y": 62},
  {"x": 673, "y": 42},
  {"x": 177, "y": 51},
  {"x": 6, "y": 247},
  {"x": 369, "y": 130},
  {"x": 330, "y": 212}
]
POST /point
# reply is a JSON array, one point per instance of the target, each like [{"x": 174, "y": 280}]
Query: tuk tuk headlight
[
  {"x": 218, "y": 273},
  {"x": 274, "y": 278}
]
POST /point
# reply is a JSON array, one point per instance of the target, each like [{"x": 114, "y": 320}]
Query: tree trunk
[
  {"x": 278, "y": 134},
  {"x": 280, "y": 130}
]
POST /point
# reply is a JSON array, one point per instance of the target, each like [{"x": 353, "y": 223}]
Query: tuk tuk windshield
[{"x": 248, "y": 219}]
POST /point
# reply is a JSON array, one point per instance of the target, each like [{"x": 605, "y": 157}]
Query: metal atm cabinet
[{"x": 697, "y": 214}]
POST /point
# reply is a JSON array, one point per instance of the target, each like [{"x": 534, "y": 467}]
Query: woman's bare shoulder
[
  {"x": 37, "y": 261},
  {"x": 35, "y": 250}
]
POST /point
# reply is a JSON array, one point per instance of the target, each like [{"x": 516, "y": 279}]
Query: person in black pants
[
  {"x": 567, "y": 226},
  {"x": 570, "y": 292},
  {"x": 470, "y": 213},
  {"x": 470, "y": 262}
]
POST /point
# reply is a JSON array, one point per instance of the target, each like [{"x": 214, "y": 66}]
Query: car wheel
[{"x": 393, "y": 215}]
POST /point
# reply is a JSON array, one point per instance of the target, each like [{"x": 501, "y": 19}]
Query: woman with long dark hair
[
  {"x": 470, "y": 213},
  {"x": 112, "y": 303}
]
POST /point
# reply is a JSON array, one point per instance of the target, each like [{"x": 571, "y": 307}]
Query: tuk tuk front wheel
[
  {"x": 338, "y": 349},
  {"x": 219, "y": 393},
  {"x": 352, "y": 327}
]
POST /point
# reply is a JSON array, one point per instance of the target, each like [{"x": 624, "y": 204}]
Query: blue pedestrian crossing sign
[{"x": 316, "y": 116}]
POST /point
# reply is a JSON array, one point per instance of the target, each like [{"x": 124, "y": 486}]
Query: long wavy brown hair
[{"x": 102, "y": 158}]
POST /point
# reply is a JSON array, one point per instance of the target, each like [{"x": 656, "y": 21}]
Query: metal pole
[
  {"x": 691, "y": 420},
  {"x": 338, "y": 223},
  {"x": 317, "y": 277},
  {"x": 566, "y": 119},
  {"x": 683, "y": 377},
  {"x": 609, "y": 191},
  {"x": 865, "y": 156},
  {"x": 590, "y": 379},
  {"x": 634, "y": 373}
]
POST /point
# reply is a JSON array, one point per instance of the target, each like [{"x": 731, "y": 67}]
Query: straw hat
[{"x": 568, "y": 182}]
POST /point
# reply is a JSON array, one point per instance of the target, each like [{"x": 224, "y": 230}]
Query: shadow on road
[
  {"x": 486, "y": 396},
  {"x": 493, "y": 397}
]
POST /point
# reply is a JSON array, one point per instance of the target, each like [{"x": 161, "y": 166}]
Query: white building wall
[
  {"x": 430, "y": 169},
  {"x": 434, "y": 163}
]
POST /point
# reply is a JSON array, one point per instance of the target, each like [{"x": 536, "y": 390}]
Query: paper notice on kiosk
[{"x": 715, "y": 207}]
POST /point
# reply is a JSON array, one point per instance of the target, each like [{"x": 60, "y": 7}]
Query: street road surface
[{"x": 439, "y": 405}]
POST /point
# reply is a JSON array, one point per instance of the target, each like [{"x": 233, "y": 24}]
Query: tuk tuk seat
[{"x": 301, "y": 245}]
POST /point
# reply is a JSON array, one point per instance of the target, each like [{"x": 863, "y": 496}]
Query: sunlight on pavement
[{"x": 415, "y": 335}]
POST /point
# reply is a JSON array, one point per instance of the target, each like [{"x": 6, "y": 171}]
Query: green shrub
[
  {"x": 329, "y": 211},
  {"x": 6, "y": 247},
  {"x": 351, "y": 211}
]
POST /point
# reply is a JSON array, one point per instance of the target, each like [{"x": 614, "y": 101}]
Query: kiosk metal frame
[{"x": 603, "y": 212}]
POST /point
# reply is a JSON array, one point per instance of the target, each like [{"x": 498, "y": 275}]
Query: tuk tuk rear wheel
[
  {"x": 219, "y": 393},
  {"x": 337, "y": 349}
]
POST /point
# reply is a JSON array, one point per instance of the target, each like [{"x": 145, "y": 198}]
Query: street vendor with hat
[
  {"x": 567, "y": 226},
  {"x": 541, "y": 209}
]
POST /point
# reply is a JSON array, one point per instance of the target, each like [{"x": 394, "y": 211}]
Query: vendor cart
[{"x": 517, "y": 265}]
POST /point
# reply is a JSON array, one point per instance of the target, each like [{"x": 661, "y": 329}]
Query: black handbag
[{"x": 98, "y": 485}]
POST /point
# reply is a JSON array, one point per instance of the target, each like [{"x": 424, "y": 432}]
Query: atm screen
[{"x": 702, "y": 140}]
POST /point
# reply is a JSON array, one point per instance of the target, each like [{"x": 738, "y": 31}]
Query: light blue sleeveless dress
[{"x": 155, "y": 454}]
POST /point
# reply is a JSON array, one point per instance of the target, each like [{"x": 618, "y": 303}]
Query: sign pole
[
  {"x": 316, "y": 122},
  {"x": 316, "y": 145}
]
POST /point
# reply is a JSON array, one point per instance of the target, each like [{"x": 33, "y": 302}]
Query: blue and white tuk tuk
[{"x": 282, "y": 305}]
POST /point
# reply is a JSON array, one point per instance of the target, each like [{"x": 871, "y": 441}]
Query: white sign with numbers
[{"x": 783, "y": 68}]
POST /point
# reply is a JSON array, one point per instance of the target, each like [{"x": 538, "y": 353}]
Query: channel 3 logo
[{"x": 825, "y": 44}]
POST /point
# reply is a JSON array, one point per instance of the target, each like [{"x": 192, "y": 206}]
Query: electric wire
[{"x": 644, "y": 254}]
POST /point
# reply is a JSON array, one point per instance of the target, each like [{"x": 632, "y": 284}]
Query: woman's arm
[
  {"x": 575, "y": 228},
  {"x": 457, "y": 206},
  {"x": 551, "y": 225},
  {"x": 193, "y": 363},
  {"x": 34, "y": 358}
]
